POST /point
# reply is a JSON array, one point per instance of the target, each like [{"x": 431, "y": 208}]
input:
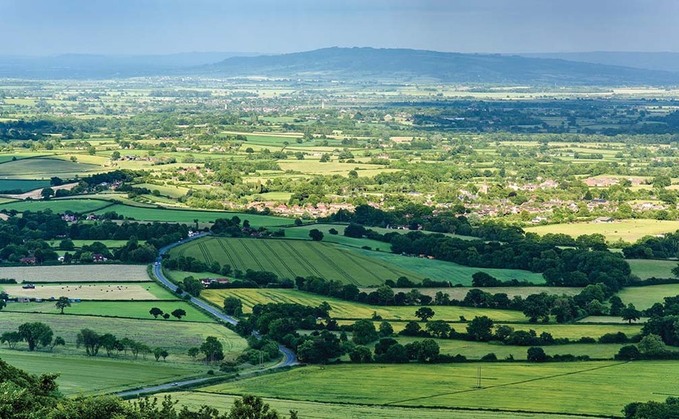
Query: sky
[{"x": 49, "y": 27}]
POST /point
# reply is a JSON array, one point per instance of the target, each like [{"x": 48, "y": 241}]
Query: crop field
[
  {"x": 127, "y": 309},
  {"x": 350, "y": 310},
  {"x": 120, "y": 291},
  {"x": 175, "y": 336},
  {"x": 57, "y": 205},
  {"x": 645, "y": 297},
  {"x": 627, "y": 230},
  {"x": 595, "y": 388},
  {"x": 458, "y": 293},
  {"x": 23, "y": 185},
  {"x": 476, "y": 350},
  {"x": 316, "y": 410},
  {"x": 648, "y": 268},
  {"x": 302, "y": 232},
  {"x": 188, "y": 216},
  {"x": 45, "y": 168},
  {"x": 86, "y": 375},
  {"x": 291, "y": 258},
  {"x": 77, "y": 273}
]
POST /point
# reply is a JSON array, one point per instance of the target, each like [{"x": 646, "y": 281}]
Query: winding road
[{"x": 289, "y": 357}]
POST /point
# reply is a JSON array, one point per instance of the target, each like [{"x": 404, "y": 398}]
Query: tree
[
  {"x": 157, "y": 353},
  {"x": 192, "y": 286},
  {"x": 616, "y": 305},
  {"x": 316, "y": 234},
  {"x": 47, "y": 193},
  {"x": 360, "y": 354},
  {"x": 193, "y": 352},
  {"x": 251, "y": 407},
  {"x": 536, "y": 307},
  {"x": 480, "y": 329},
  {"x": 109, "y": 342},
  {"x": 630, "y": 313},
  {"x": 11, "y": 339},
  {"x": 58, "y": 341},
  {"x": 179, "y": 313},
  {"x": 91, "y": 341},
  {"x": 364, "y": 332},
  {"x": 439, "y": 328},
  {"x": 155, "y": 312},
  {"x": 213, "y": 349},
  {"x": 652, "y": 345},
  {"x": 115, "y": 155},
  {"x": 62, "y": 303},
  {"x": 424, "y": 313},
  {"x": 536, "y": 354},
  {"x": 428, "y": 351},
  {"x": 233, "y": 306},
  {"x": 36, "y": 334},
  {"x": 386, "y": 330}
]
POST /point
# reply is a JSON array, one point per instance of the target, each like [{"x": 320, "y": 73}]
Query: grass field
[
  {"x": 175, "y": 336},
  {"x": 646, "y": 268},
  {"x": 645, "y": 297},
  {"x": 458, "y": 293},
  {"x": 291, "y": 258},
  {"x": 45, "y": 168},
  {"x": 597, "y": 388},
  {"x": 128, "y": 309},
  {"x": 23, "y": 185},
  {"x": 86, "y": 375},
  {"x": 113, "y": 291},
  {"x": 77, "y": 273},
  {"x": 188, "y": 216},
  {"x": 627, "y": 230},
  {"x": 340, "y": 410},
  {"x": 350, "y": 310},
  {"x": 302, "y": 232},
  {"x": 57, "y": 205}
]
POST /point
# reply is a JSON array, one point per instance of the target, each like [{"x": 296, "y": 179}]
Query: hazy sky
[{"x": 39, "y": 27}]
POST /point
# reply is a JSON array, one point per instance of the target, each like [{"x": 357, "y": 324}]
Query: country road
[{"x": 289, "y": 357}]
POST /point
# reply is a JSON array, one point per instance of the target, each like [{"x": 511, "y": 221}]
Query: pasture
[
  {"x": 594, "y": 388},
  {"x": 23, "y": 185},
  {"x": 174, "y": 336},
  {"x": 627, "y": 230},
  {"x": 76, "y": 273},
  {"x": 80, "y": 206},
  {"x": 79, "y": 375},
  {"x": 122, "y": 309},
  {"x": 302, "y": 232},
  {"x": 645, "y": 297},
  {"x": 189, "y": 216},
  {"x": 649, "y": 268},
  {"x": 120, "y": 291},
  {"x": 346, "y": 410},
  {"x": 292, "y": 258},
  {"x": 351, "y": 310}
]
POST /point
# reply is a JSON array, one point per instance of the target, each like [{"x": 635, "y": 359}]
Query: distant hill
[
  {"x": 662, "y": 61},
  {"x": 78, "y": 66},
  {"x": 418, "y": 65}
]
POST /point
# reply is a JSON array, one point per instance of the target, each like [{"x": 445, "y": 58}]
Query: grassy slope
[
  {"x": 87, "y": 375},
  {"x": 58, "y": 205},
  {"x": 175, "y": 336},
  {"x": 645, "y": 297},
  {"x": 315, "y": 410},
  {"x": 627, "y": 230},
  {"x": 646, "y": 268},
  {"x": 580, "y": 387}
]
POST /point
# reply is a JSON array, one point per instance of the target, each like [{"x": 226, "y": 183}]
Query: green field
[
  {"x": 57, "y": 205},
  {"x": 350, "y": 310},
  {"x": 122, "y": 309},
  {"x": 597, "y": 388},
  {"x": 174, "y": 336},
  {"x": 77, "y": 273},
  {"x": 645, "y": 297},
  {"x": 302, "y": 232},
  {"x": 45, "y": 168},
  {"x": 188, "y": 216},
  {"x": 292, "y": 258},
  {"x": 627, "y": 230},
  {"x": 87, "y": 375},
  {"x": 23, "y": 185},
  {"x": 648, "y": 268},
  {"x": 341, "y": 410}
]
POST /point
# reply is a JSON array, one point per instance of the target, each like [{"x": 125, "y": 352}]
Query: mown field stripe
[
  {"x": 228, "y": 255},
  {"x": 333, "y": 264},
  {"x": 246, "y": 246},
  {"x": 241, "y": 264},
  {"x": 301, "y": 260}
]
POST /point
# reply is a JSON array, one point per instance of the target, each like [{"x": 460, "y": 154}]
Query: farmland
[
  {"x": 89, "y": 291},
  {"x": 80, "y": 273},
  {"x": 57, "y": 205},
  {"x": 600, "y": 388},
  {"x": 626, "y": 230},
  {"x": 645, "y": 297},
  {"x": 80, "y": 375},
  {"x": 350, "y": 310},
  {"x": 22, "y": 185},
  {"x": 174, "y": 336},
  {"x": 291, "y": 258},
  {"x": 121, "y": 309},
  {"x": 44, "y": 168},
  {"x": 648, "y": 268}
]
